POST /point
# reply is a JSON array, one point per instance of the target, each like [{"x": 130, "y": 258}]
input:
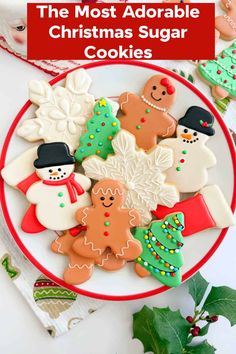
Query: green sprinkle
[
  {"x": 148, "y": 110},
  {"x": 138, "y": 126},
  {"x": 60, "y": 194},
  {"x": 184, "y": 152},
  {"x": 62, "y": 205},
  {"x": 178, "y": 169},
  {"x": 106, "y": 223}
]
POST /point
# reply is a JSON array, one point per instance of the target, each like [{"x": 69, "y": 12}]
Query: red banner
[{"x": 121, "y": 31}]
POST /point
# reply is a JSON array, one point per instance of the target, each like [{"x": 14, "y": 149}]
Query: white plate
[{"x": 111, "y": 79}]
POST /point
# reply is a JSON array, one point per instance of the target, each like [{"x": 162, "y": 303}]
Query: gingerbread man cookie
[
  {"x": 146, "y": 116},
  {"x": 226, "y": 24},
  {"x": 108, "y": 224},
  {"x": 79, "y": 268},
  {"x": 58, "y": 193}
]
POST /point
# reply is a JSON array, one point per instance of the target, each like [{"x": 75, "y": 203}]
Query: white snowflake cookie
[
  {"x": 62, "y": 112},
  {"x": 141, "y": 172}
]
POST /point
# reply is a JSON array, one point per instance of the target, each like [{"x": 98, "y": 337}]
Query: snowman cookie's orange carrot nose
[
  {"x": 186, "y": 136},
  {"x": 54, "y": 174}
]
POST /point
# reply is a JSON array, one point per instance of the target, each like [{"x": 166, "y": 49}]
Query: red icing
[
  {"x": 232, "y": 66},
  {"x": 24, "y": 185},
  {"x": 234, "y": 77},
  {"x": 107, "y": 214},
  {"x": 165, "y": 82},
  {"x": 218, "y": 72},
  {"x": 222, "y": 56},
  {"x": 75, "y": 231},
  {"x": 196, "y": 214},
  {"x": 182, "y": 160},
  {"x": 106, "y": 233},
  {"x": 103, "y": 124},
  {"x": 89, "y": 144},
  {"x": 30, "y": 223},
  {"x": 143, "y": 120}
]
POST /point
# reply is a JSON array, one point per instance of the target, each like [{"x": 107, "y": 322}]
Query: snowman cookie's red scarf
[{"x": 73, "y": 187}]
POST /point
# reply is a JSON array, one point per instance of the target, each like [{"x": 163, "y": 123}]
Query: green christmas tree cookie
[
  {"x": 161, "y": 257},
  {"x": 221, "y": 73},
  {"x": 102, "y": 128}
]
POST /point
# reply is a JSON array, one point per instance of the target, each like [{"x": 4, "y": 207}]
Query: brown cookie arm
[
  {"x": 134, "y": 218},
  {"x": 125, "y": 100},
  {"x": 82, "y": 215},
  {"x": 169, "y": 128}
]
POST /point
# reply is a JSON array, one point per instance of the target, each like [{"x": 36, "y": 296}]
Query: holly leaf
[
  {"x": 222, "y": 301},
  {"x": 197, "y": 286},
  {"x": 144, "y": 330},
  {"x": 204, "y": 347},
  {"x": 172, "y": 327},
  {"x": 204, "y": 330}
]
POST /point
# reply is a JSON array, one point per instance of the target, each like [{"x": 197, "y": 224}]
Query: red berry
[
  {"x": 214, "y": 318},
  {"x": 189, "y": 319},
  {"x": 195, "y": 331}
]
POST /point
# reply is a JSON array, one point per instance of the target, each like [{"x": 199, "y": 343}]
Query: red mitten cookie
[
  {"x": 108, "y": 224},
  {"x": 206, "y": 210},
  {"x": 146, "y": 116}
]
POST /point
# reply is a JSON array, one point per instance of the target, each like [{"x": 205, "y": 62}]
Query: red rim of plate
[{"x": 59, "y": 281}]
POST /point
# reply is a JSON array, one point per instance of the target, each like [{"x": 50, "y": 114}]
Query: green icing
[
  {"x": 102, "y": 128},
  {"x": 168, "y": 260},
  {"x": 222, "y": 62}
]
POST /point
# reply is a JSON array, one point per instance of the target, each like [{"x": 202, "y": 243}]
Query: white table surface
[{"x": 108, "y": 331}]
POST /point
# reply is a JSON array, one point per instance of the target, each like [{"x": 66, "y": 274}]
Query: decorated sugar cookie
[
  {"x": 220, "y": 73},
  {"x": 58, "y": 194},
  {"x": 147, "y": 116},
  {"x": 108, "y": 223},
  {"x": 226, "y": 24},
  {"x": 140, "y": 172},
  {"x": 79, "y": 268},
  {"x": 192, "y": 157},
  {"x": 207, "y": 209},
  {"x": 102, "y": 127},
  {"x": 62, "y": 112},
  {"x": 161, "y": 257}
]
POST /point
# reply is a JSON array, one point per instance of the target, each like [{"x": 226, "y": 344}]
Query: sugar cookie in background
[
  {"x": 226, "y": 24},
  {"x": 220, "y": 73}
]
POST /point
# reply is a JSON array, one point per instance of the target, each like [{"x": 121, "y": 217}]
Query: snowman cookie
[
  {"x": 192, "y": 157},
  {"x": 108, "y": 223},
  {"x": 146, "y": 116},
  {"x": 59, "y": 192}
]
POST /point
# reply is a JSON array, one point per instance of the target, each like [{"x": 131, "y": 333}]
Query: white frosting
[
  {"x": 63, "y": 111},
  {"x": 218, "y": 206},
  {"x": 47, "y": 200},
  {"x": 141, "y": 171},
  {"x": 20, "y": 168},
  {"x": 193, "y": 173}
]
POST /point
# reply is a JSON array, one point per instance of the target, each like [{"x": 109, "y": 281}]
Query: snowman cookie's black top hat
[
  {"x": 197, "y": 118},
  {"x": 53, "y": 154}
]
